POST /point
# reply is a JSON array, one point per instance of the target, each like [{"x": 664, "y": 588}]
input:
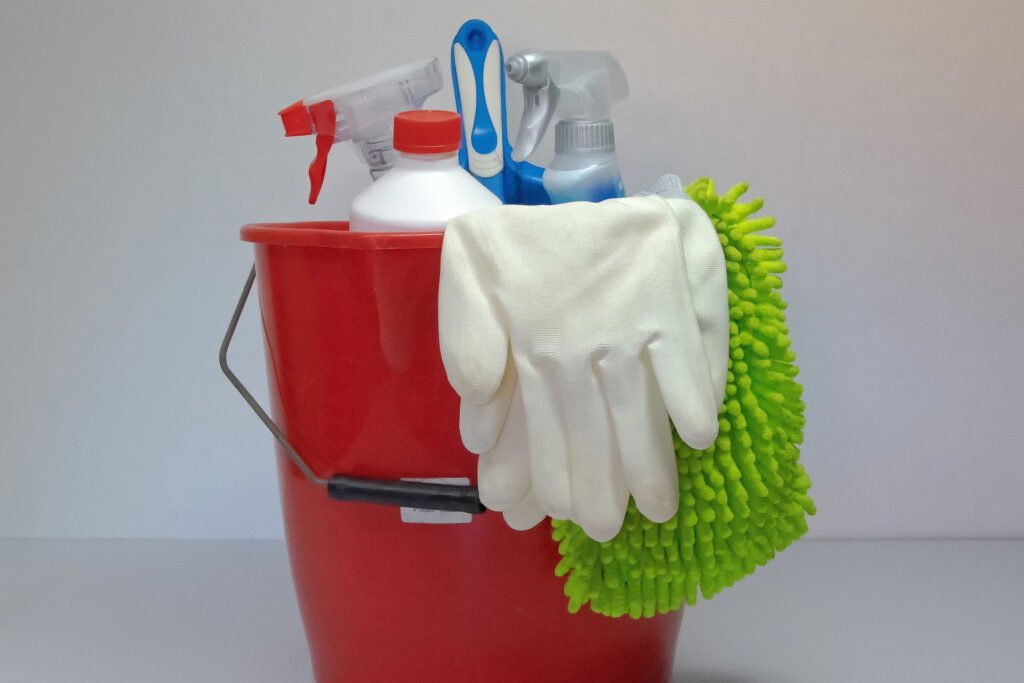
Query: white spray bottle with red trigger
[{"x": 362, "y": 111}]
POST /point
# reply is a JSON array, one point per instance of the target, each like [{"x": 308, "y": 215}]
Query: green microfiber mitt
[{"x": 741, "y": 500}]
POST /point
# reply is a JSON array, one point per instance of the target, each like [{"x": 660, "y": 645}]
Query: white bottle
[{"x": 426, "y": 187}]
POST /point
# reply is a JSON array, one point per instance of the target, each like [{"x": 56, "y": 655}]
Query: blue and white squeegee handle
[{"x": 478, "y": 74}]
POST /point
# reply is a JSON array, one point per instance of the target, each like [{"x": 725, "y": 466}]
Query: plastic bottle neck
[{"x": 427, "y": 161}]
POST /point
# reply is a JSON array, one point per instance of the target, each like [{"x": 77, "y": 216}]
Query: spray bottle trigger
[
  {"x": 324, "y": 121},
  {"x": 318, "y": 167}
]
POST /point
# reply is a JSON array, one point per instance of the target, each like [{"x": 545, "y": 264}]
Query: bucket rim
[{"x": 335, "y": 235}]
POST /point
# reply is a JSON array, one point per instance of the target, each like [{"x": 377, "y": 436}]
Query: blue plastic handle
[{"x": 486, "y": 152}]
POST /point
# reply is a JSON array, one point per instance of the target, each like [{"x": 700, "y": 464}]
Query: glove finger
[
  {"x": 643, "y": 434},
  {"x": 705, "y": 271},
  {"x": 683, "y": 378},
  {"x": 474, "y": 344},
  {"x": 599, "y": 491},
  {"x": 503, "y": 473},
  {"x": 481, "y": 425},
  {"x": 546, "y": 438},
  {"x": 526, "y": 514},
  {"x": 681, "y": 368}
]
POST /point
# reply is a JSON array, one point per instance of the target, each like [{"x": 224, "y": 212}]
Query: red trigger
[{"x": 324, "y": 123}]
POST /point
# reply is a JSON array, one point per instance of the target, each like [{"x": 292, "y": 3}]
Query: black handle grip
[{"x": 409, "y": 494}]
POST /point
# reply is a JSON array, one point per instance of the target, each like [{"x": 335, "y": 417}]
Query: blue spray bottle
[
  {"x": 479, "y": 79},
  {"x": 580, "y": 89}
]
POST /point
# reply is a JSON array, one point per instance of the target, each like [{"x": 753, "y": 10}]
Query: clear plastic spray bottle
[{"x": 580, "y": 89}]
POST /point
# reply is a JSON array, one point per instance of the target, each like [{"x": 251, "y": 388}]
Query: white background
[{"x": 137, "y": 136}]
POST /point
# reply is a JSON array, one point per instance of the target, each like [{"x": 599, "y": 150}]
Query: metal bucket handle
[{"x": 410, "y": 494}]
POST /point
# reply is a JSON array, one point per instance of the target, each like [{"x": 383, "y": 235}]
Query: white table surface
[{"x": 221, "y": 611}]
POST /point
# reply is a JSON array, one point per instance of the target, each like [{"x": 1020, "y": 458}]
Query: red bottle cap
[{"x": 428, "y": 131}]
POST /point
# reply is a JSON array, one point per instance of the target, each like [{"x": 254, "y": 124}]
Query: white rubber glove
[{"x": 572, "y": 332}]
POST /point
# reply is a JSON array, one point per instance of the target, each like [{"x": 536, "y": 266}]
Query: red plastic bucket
[{"x": 357, "y": 385}]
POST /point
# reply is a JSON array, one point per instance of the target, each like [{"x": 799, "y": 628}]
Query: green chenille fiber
[{"x": 743, "y": 499}]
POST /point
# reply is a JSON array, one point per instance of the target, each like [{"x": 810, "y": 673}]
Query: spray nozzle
[
  {"x": 362, "y": 111},
  {"x": 577, "y": 86}
]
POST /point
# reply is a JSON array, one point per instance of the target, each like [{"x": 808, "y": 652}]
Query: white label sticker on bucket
[{"x": 421, "y": 516}]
